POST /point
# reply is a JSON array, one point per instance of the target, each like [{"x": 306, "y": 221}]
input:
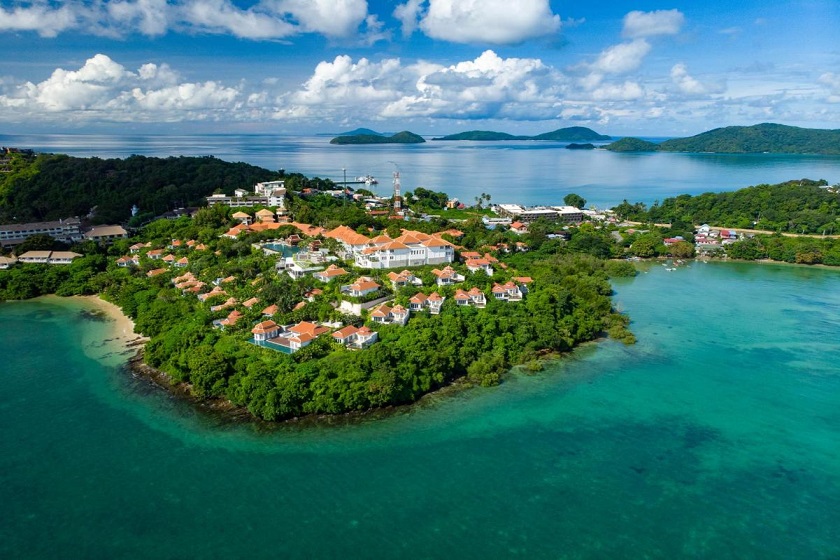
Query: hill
[
  {"x": 632, "y": 145},
  {"x": 586, "y": 146},
  {"x": 359, "y": 131},
  {"x": 760, "y": 138},
  {"x": 799, "y": 206},
  {"x": 50, "y": 187},
  {"x": 570, "y": 134},
  {"x": 404, "y": 137},
  {"x": 482, "y": 135}
]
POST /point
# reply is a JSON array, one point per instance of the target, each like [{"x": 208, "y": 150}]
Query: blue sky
[{"x": 649, "y": 68}]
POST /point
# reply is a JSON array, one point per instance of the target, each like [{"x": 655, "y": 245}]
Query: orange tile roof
[{"x": 264, "y": 327}]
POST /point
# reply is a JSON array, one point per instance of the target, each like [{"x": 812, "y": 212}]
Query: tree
[{"x": 575, "y": 200}]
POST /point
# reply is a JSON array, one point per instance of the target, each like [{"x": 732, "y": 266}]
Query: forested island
[
  {"x": 569, "y": 134},
  {"x": 404, "y": 137},
  {"x": 200, "y": 286},
  {"x": 757, "y": 139}
]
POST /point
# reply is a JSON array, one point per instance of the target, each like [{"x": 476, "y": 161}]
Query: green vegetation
[
  {"x": 757, "y": 139},
  {"x": 802, "y": 206},
  {"x": 575, "y": 200},
  {"x": 760, "y": 138},
  {"x": 404, "y": 137},
  {"x": 799, "y": 250},
  {"x": 50, "y": 187},
  {"x": 574, "y": 146},
  {"x": 572, "y": 134},
  {"x": 632, "y": 145},
  {"x": 482, "y": 136},
  {"x": 569, "y": 134},
  {"x": 359, "y": 131},
  {"x": 568, "y": 302}
]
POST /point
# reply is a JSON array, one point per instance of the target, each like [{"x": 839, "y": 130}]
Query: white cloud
[
  {"x": 499, "y": 22},
  {"x": 686, "y": 83},
  {"x": 333, "y": 18},
  {"x": 486, "y": 87},
  {"x": 627, "y": 91},
  {"x": 648, "y": 24},
  {"x": 104, "y": 90},
  {"x": 150, "y": 17},
  {"x": 41, "y": 18},
  {"x": 622, "y": 58},
  {"x": 408, "y": 14},
  {"x": 831, "y": 80},
  {"x": 263, "y": 20}
]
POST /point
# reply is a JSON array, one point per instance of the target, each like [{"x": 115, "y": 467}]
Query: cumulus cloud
[
  {"x": 497, "y": 22},
  {"x": 486, "y": 87},
  {"x": 103, "y": 89},
  {"x": 686, "y": 83},
  {"x": 263, "y": 20},
  {"x": 648, "y": 24},
  {"x": 622, "y": 58},
  {"x": 41, "y": 18}
]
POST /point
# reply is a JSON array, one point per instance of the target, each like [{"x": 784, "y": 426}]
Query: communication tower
[{"x": 397, "y": 198}]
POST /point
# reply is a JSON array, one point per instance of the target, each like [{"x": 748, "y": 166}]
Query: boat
[{"x": 367, "y": 180}]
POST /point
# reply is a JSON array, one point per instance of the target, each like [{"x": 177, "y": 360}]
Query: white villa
[{"x": 412, "y": 248}]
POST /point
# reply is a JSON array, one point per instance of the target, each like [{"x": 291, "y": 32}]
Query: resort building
[
  {"x": 288, "y": 339},
  {"x": 68, "y": 231},
  {"x": 48, "y": 257},
  {"x": 390, "y": 315},
  {"x": 106, "y": 234},
  {"x": 355, "y": 337}
]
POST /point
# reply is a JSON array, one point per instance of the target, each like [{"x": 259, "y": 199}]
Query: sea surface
[
  {"x": 716, "y": 436},
  {"x": 523, "y": 172}
]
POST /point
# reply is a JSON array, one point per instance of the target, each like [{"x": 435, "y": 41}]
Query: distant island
[
  {"x": 756, "y": 139},
  {"x": 569, "y": 134},
  {"x": 404, "y": 137},
  {"x": 574, "y": 146}
]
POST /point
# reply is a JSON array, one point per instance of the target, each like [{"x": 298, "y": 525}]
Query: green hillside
[
  {"x": 404, "y": 137},
  {"x": 482, "y": 135},
  {"x": 49, "y": 187},
  {"x": 632, "y": 145},
  {"x": 570, "y": 134},
  {"x": 760, "y": 138}
]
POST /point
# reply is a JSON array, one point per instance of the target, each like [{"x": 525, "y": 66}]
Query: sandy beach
[
  {"x": 109, "y": 338},
  {"x": 122, "y": 326}
]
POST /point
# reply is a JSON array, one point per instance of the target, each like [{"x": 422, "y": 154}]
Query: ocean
[
  {"x": 523, "y": 172},
  {"x": 715, "y": 436}
]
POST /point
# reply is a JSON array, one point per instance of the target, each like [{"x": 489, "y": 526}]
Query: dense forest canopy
[
  {"x": 51, "y": 187},
  {"x": 568, "y": 134},
  {"x": 756, "y": 139},
  {"x": 802, "y": 206},
  {"x": 404, "y": 137}
]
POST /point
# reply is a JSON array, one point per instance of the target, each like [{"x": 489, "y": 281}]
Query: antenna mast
[{"x": 397, "y": 198}]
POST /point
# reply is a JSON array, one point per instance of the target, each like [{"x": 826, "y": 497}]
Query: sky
[{"x": 640, "y": 68}]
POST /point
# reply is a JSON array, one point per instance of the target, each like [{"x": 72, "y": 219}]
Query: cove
[{"x": 715, "y": 436}]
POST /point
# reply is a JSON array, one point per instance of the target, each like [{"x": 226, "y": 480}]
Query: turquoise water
[{"x": 716, "y": 436}]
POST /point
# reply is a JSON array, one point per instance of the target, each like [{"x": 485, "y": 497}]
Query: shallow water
[{"x": 716, "y": 436}]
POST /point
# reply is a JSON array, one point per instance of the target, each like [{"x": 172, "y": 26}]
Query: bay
[
  {"x": 716, "y": 436},
  {"x": 524, "y": 172}
]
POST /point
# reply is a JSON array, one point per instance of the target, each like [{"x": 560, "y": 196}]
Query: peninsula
[
  {"x": 756, "y": 139},
  {"x": 246, "y": 301}
]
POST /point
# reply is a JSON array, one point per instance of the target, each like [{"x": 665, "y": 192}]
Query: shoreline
[{"x": 130, "y": 346}]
